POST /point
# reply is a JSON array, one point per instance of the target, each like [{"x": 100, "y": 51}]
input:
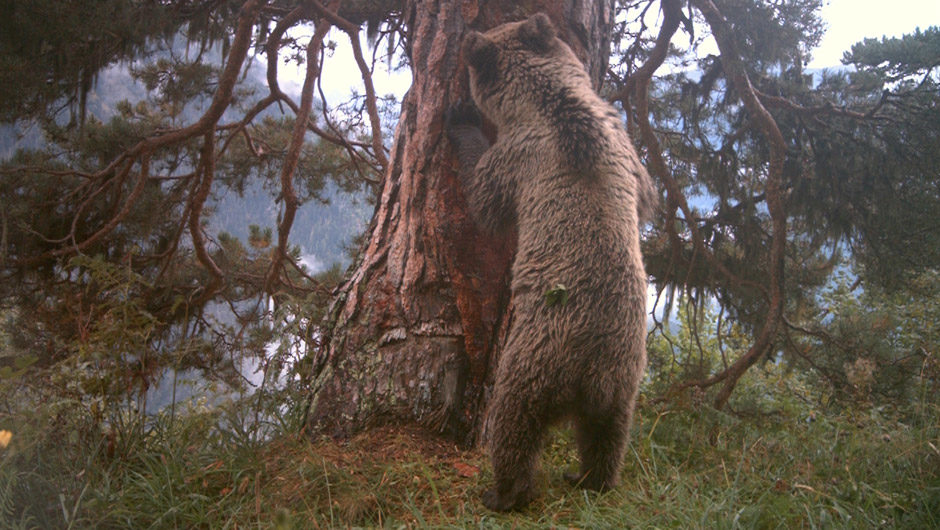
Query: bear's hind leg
[
  {"x": 602, "y": 439},
  {"x": 516, "y": 441}
]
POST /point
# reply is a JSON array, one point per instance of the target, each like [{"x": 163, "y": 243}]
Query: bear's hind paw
[
  {"x": 584, "y": 481},
  {"x": 506, "y": 503}
]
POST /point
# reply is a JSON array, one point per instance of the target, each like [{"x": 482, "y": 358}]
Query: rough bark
[{"x": 414, "y": 333}]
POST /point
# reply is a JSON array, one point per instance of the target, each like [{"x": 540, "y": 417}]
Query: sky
[{"x": 850, "y": 21}]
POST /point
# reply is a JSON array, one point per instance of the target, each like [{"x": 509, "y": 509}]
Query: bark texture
[{"x": 414, "y": 333}]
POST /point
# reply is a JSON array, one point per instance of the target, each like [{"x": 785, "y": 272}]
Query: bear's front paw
[{"x": 462, "y": 115}]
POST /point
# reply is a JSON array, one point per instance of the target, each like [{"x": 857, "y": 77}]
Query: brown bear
[{"x": 564, "y": 172}]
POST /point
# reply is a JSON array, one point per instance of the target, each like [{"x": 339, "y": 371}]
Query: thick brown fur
[{"x": 565, "y": 173}]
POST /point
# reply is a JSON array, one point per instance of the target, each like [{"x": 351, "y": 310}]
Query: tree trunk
[{"x": 415, "y": 332}]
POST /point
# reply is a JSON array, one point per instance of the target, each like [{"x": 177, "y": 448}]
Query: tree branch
[
  {"x": 201, "y": 189},
  {"x": 293, "y": 156},
  {"x": 640, "y": 81},
  {"x": 115, "y": 220},
  {"x": 734, "y": 68},
  {"x": 377, "y": 144},
  {"x": 142, "y": 151}
]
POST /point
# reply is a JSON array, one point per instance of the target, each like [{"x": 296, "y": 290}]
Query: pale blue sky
[{"x": 851, "y": 21}]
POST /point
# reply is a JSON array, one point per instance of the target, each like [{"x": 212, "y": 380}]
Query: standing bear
[{"x": 564, "y": 172}]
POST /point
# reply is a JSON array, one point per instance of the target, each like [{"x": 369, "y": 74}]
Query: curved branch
[
  {"x": 201, "y": 189},
  {"x": 640, "y": 82},
  {"x": 143, "y": 149},
  {"x": 293, "y": 156},
  {"x": 329, "y": 13},
  {"x": 108, "y": 227},
  {"x": 223, "y": 94},
  {"x": 826, "y": 108},
  {"x": 735, "y": 69},
  {"x": 377, "y": 144},
  {"x": 354, "y": 156},
  {"x": 271, "y": 49}
]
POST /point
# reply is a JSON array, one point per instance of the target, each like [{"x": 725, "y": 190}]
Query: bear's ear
[
  {"x": 478, "y": 51},
  {"x": 537, "y": 32},
  {"x": 481, "y": 54}
]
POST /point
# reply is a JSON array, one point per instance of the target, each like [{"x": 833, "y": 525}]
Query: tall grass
[{"x": 776, "y": 462}]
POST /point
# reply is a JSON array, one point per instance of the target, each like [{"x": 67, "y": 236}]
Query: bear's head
[{"x": 516, "y": 66}]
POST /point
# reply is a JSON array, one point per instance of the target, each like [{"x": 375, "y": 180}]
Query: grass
[{"x": 685, "y": 468}]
